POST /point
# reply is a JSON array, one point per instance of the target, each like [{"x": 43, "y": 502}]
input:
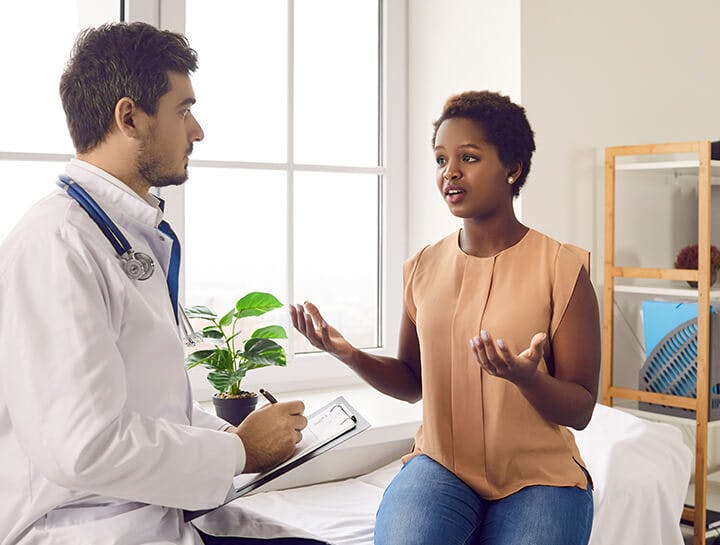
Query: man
[{"x": 99, "y": 439}]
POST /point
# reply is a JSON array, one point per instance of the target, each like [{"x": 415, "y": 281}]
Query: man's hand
[{"x": 270, "y": 434}]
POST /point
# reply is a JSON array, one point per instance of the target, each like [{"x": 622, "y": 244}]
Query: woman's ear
[{"x": 514, "y": 172}]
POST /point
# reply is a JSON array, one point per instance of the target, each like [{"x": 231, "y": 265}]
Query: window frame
[{"x": 318, "y": 370}]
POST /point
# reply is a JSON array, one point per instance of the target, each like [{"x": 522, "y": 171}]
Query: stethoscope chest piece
[{"x": 137, "y": 265}]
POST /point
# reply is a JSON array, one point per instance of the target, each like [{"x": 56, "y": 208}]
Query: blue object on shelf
[
  {"x": 661, "y": 317},
  {"x": 670, "y": 367}
]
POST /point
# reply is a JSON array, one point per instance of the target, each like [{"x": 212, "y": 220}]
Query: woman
[{"x": 500, "y": 338}]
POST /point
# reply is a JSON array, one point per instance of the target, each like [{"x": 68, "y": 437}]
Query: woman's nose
[{"x": 451, "y": 173}]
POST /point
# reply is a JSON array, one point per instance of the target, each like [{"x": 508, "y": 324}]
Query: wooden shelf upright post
[{"x": 702, "y": 276}]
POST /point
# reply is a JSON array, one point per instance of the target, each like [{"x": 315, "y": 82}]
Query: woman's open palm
[{"x": 307, "y": 320}]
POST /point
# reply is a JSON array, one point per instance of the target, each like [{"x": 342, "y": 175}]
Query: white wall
[
  {"x": 590, "y": 74},
  {"x": 611, "y": 72},
  {"x": 453, "y": 46}
]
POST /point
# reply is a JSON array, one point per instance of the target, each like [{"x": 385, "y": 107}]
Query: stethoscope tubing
[
  {"x": 121, "y": 245},
  {"x": 98, "y": 215}
]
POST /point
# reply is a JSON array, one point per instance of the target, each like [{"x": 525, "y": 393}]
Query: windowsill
[{"x": 393, "y": 424}]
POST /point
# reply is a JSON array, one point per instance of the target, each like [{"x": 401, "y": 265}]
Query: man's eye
[{"x": 185, "y": 112}]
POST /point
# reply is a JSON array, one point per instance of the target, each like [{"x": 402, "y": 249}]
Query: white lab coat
[{"x": 99, "y": 439}]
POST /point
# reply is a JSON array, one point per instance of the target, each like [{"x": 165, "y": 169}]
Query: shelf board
[
  {"x": 689, "y": 166},
  {"x": 670, "y": 292}
]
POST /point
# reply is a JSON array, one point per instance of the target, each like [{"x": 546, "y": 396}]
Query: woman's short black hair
[
  {"x": 503, "y": 122},
  {"x": 114, "y": 61}
]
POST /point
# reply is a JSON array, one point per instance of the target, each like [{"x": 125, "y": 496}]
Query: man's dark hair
[
  {"x": 114, "y": 61},
  {"x": 504, "y": 123}
]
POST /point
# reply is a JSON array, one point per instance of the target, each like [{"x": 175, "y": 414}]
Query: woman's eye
[
  {"x": 470, "y": 158},
  {"x": 440, "y": 161}
]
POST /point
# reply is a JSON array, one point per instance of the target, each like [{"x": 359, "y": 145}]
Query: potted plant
[
  {"x": 231, "y": 358},
  {"x": 687, "y": 258}
]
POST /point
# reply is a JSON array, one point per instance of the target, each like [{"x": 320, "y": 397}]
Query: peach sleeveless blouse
[{"x": 479, "y": 426}]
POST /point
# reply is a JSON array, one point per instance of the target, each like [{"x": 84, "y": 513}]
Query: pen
[{"x": 268, "y": 396}]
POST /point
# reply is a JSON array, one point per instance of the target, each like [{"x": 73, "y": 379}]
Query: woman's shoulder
[
  {"x": 556, "y": 251},
  {"x": 436, "y": 250}
]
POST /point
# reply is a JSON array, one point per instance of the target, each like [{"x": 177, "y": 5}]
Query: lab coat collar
[{"x": 113, "y": 192}]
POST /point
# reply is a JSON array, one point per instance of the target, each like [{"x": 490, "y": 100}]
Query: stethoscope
[{"x": 136, "y": 265}]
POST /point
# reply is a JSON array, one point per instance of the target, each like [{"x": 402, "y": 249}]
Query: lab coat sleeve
[
  {"x": 205, "y": 419},
  {"x": 63, "y": 378}
]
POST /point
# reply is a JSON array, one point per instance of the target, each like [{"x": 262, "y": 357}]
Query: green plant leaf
[
  {"x": 223, "y": 380},
  {"x": 199, "y": 357},
  {"x": 270, "y": 332},
  {"x": 263, "y": 352},
  {"x": 256, "y": 303},
  {"x": 212, "y": 333},
  {"x": 220, "y": 379},
  {"x": 227, "y": 319},
  {"x": 200, "y": 311}
]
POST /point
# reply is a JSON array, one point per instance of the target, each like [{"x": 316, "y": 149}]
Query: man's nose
[{"x": 196, "y": 132}]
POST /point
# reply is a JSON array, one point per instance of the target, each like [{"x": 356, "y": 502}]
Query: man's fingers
[
  {"x": 295, "y": 407},
  {"x": 299, "y": 422}
]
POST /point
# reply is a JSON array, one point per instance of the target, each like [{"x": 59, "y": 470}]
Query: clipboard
[{"x": 330, "y": 425}]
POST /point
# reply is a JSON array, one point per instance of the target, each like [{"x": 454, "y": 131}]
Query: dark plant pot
[
  {"x": 235, "y": 409},
  {"x": 713, "y": 277}
]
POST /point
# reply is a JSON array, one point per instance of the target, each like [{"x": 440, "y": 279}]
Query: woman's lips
[{"x": 454, "y": 196}]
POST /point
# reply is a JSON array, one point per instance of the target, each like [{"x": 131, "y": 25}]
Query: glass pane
[
  {"x": 336, "y": 82},
  {"x": 40, "y": 39},
  {"x": 235, "y": 237},
  {"x": 336, "y": 252},
  {"x": 241, "y": 82},
  {"x": 32, "y": 181}
]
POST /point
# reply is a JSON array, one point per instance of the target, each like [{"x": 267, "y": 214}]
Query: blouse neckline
[{"x": 505, "y": 250}]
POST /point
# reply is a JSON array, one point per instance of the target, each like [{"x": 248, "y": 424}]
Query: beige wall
[
  {"x": 453, "y": 46},
  {"x": 590, "y": 74},
  {"x": 612, "y": 72}
]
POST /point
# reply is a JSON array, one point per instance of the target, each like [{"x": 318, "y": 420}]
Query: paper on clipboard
[
  {"x": 327, "y": 427},
  {"x": 323, "y": 426}
]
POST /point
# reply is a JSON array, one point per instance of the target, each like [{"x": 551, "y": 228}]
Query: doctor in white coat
[{"x": 99, "y": 439}]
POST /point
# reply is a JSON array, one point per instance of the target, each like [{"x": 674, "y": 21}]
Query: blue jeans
[{"x": 426, "y": 504}]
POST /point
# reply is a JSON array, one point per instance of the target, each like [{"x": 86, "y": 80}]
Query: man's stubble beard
[{"x": 150, "y": 167}]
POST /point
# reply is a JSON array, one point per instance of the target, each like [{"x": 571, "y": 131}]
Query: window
[
  {"x": 34, "y": 142},
  {"x": 291, "y": 190},
  {"x": 298, "y": 188}
]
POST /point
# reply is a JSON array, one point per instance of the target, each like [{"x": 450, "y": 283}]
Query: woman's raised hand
[
  {"x": 495, "y": 357},
  {"x": 307, "y": 320}
]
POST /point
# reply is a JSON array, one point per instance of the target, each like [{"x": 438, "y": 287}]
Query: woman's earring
[{"x": 510, "y": 180}]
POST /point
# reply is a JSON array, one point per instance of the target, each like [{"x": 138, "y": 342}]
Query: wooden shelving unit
[{"x": 704, "y": 168}]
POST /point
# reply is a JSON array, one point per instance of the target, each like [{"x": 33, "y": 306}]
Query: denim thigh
[
  {"x": 427, "y": 504},
  {"x": 539, "y": 515}
]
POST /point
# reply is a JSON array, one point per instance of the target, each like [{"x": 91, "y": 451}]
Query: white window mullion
[
  {"x": 394, "y": 187},
  {"x": 290, "y": 199}
]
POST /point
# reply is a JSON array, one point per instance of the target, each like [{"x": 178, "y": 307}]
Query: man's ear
[{"x": 127, "y": 117}]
